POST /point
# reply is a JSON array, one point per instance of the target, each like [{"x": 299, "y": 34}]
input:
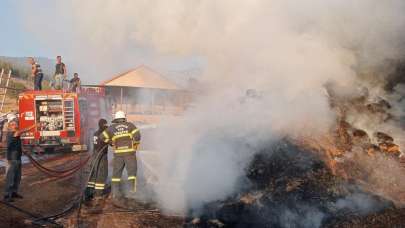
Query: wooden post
[
  {"x": 122, "y": 97},
  {"x": 153, "y": 100}
]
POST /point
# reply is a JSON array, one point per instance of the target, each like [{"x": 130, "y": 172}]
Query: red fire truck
[{"x": 63, "y": 120}]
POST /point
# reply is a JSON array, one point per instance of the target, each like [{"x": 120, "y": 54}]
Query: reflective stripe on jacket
[{"x": 122, "y": 136}]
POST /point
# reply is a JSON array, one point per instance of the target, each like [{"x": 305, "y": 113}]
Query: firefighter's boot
[
  {"x": 132, "y": 185},
  {"x": 116, "y": 191},
  {"x": 98, "y": 202},
  {"x": 88, "y": 194}
]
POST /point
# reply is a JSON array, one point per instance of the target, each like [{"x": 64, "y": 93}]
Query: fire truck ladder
[
  {"x": 69, "y": 114},
  {"x": 3, "y": 89}
]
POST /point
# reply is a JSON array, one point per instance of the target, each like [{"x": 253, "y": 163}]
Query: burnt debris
[{"x": 289, "y": 187}]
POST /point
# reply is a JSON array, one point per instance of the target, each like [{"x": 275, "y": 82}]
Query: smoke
[
  {"x": 310, "y": 217},
  {"x": 94, "y": 38},
  {"x": 287, "y": 50},
  {"x": 383, "y": 177}
]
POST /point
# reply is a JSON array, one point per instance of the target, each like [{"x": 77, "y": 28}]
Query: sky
[
  {"x": 47, "y": 28},
  {"x": 15, "y": 39}
]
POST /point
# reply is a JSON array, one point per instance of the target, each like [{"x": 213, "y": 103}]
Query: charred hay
[
  {"x": 386, "y": 218},
  {"x": 286, "y": 186}
]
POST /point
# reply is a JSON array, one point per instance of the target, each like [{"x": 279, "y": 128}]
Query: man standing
[
  {"x": 36, "y": 73},
  {"x": 99, "y": 173},
  {"x": 60, "y": 73},
  {"x": 14, "y": 152},
  {"x": 125, "y": 139},
  {"x": 75, "y": 83}
]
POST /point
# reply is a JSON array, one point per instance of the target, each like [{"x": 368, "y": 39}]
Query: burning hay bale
[
  {"x": 388, "y": 218},
  {"x": 381, "y": 106},
  {"x": 372, "y": 150},
  {"x": 383, "y": 138},
  {"x": 344, "y": 139},
  {"x": 251, "y": 197},
  {"x": 360, "y": 137},
  {"x": 348, "y": 136},
  {"x": 290, "y": 187},
  {"x": 386, "y": 144},
  {"x": 390, "y": 149}
]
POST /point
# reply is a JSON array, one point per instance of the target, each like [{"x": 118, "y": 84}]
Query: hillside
[
  {"x": 20, "y": 78},
  {"x": 21, "y": 66}
]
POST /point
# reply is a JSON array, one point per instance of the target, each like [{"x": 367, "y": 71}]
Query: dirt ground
[
  {"x": 45, "y": 196},
  {"x": 110, "y": 214}
]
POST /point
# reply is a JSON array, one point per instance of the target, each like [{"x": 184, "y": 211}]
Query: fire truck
[{"x": 63, "y": 120}]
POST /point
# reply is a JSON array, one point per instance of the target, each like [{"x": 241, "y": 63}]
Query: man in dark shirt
[
  {"x": 75, "y": 83},
  {"x": 60, "y": 73},
  {"x": 36, "y": 73},
  {"x": 14, "y": 152}
]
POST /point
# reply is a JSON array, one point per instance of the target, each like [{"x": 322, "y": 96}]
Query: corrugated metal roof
[{"x": 141, "y": 77}]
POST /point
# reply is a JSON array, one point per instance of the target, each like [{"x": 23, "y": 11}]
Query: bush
[
  {"x": 18, "y": 87},
  {"x": 15, "y": 70}
]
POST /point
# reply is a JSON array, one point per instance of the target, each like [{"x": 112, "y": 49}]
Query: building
[{"x": 145, "y": 95}]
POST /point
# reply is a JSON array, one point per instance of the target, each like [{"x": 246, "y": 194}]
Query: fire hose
[
  {"x": 94, "y": 163},
  {"x": 52, "y": 172},
  {"x": 57, "y": 173},
  {"x": 37, "y": 220},
  {"x": 77, "y": 203}
]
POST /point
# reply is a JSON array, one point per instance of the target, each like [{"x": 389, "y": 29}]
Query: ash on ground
[{"x": 286, "y": 186}]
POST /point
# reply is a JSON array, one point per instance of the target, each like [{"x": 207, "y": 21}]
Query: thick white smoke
[{"x": 286, "y": 49}]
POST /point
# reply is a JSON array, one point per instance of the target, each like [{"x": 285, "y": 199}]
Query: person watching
[
  {"x": 60, "y": 74},
  {"x": 75, "y": 83}
]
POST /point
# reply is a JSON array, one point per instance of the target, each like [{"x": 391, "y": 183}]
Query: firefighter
[
  {"x": 99, "y": 173},
  {"x": 124, "y": 138}
]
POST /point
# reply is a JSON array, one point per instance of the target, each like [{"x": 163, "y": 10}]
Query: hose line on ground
[
  {"x": 36, "y": 219},
  {"x": 94, "y": 163},
  {"x": 57, "y": 173}
]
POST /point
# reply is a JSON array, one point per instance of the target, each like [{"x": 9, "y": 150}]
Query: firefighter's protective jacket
[
  {"x": 123, "y": 136},
  {"x": 98, "y": 143}
]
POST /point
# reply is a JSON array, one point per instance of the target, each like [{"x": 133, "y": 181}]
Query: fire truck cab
[{"x": 63, "y": 120}]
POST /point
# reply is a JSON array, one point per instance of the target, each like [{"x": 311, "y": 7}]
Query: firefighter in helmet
[
  {"x": 99, "y": 173},
  {"x": 124, "y": 138}
]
